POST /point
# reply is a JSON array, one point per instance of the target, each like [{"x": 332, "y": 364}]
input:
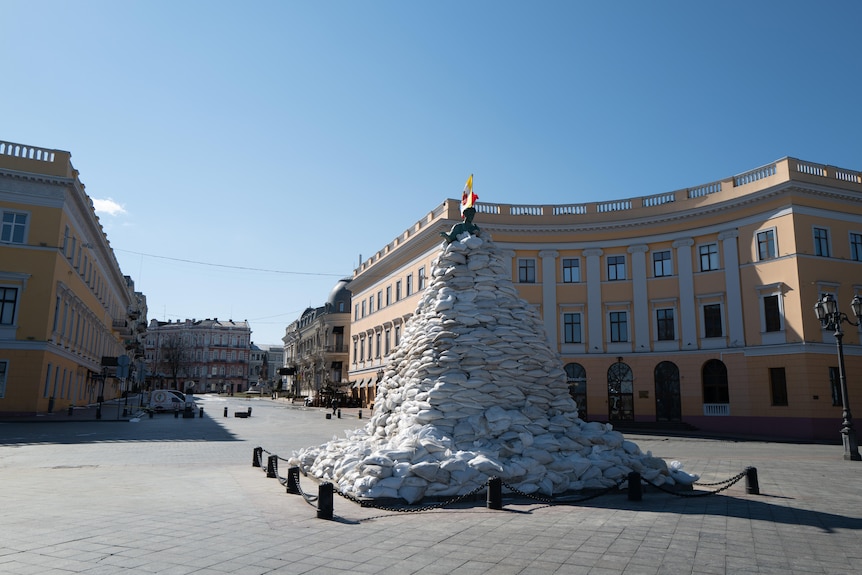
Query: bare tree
[{"x": 174, "y": 357}]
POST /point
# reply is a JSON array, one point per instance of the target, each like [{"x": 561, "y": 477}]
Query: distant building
[
  {"x": 64, "y": 303},
  {"x": 690, "y": 307},
  {"x": 264, "y": 363},
  {"x": 315, "y": 346},
  {"x": 205, "y": 355}
]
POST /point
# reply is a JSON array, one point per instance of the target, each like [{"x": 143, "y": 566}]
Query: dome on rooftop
[{"x": 340, "y": 293}]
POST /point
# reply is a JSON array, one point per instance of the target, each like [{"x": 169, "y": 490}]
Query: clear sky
[{"x": 243, "y": 155}]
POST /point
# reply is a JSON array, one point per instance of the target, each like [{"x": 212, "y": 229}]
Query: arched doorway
[
  {"x": 668, "y": 406},
  {"x": 621, "y": 403},
  {"x": 576, "y": 377}
]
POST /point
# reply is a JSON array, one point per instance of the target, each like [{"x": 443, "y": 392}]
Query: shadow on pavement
[{"x": 162, "y": 427}]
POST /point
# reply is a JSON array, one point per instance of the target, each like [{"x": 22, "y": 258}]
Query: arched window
[
  {"x": 621, "y": 404},
  {"x": 715, "y": 382},
  {"x": 576, "y": 377}
]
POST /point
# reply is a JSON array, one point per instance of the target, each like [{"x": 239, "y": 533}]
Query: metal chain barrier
[{"x": 271, "y": 469}]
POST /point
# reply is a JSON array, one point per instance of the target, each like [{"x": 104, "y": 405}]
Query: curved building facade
[{"x": 688, "y": 308}]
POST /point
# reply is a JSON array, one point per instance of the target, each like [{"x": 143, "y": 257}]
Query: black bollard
[
  {"x": 635, "y": 488},
  {"x": 324, "y": 501},
  {"x": 339, "y": 414},
  {"x": 258, "y": 453},
  {"x": 176, "y": 413},
  {"x": 293, "y": 480},
  {"x": 99, "y": 412},
  {"x": 150, "y": 413},
  {"x": 201, "y": 414},
  {"x": 272, "y": 466},
  {"x": 495, "y": 493},
  {"x": 249, "y": 411},
  {"x": 225, "y": 411},
  {"x": 71, "y": 409},
  {"x": 360, "y": 414},
  {"x": 751, "y": 485}
]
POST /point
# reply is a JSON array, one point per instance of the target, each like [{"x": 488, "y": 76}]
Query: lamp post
[{"x": 827, "y": 312}]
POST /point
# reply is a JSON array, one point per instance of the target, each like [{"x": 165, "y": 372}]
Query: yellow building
[
  {"x": 64, "y": 303},
  {"x": 688, "y": 308}
]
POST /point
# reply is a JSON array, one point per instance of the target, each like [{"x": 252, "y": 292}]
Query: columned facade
[{"x": 691, "y": 307}]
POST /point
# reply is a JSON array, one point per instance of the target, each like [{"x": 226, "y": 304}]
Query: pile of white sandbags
[{"x": 474, "y": 391}]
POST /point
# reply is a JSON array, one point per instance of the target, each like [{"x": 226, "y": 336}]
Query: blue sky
[{"x": 279, "y": 140}]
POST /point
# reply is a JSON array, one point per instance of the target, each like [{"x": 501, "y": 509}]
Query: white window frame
[
  {"x": 12, "y": 226},
  {"x": 817, "y": 243},
  {"x": 576, "y": 270},
  {"x": 774, "y": 233},
  {"x": 522, "y": 263},
  {"x": 617, "y": 267}
]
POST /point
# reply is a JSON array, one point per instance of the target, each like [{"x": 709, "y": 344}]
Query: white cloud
[{"x": 108, "y": 206}]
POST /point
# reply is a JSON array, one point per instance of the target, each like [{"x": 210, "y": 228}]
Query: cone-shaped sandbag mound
[{"x": 473, "y": 391}]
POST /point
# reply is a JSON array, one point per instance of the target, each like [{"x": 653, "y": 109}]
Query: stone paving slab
[{"x": 177, "y": 496}]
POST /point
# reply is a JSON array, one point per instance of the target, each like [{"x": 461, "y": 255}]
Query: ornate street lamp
[{"x": 827, "y": 312}]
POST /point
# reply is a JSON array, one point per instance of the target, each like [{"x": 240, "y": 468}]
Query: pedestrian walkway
[{"x": 175, "y": 496}]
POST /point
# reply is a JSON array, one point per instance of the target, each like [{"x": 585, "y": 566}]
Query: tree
[{"x": 174, "y": 357}]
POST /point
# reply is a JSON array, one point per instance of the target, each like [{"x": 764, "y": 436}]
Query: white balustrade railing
[
  {"x": 526, "y": 210},
  {"x": 615, "y": 206},
  {"x": 28, "y": 152},
  {"x": 754, "y": 175},
  {"x": 570, "y": 210},
  {"x": 658, "y": 199},
  {"x": 704, "y": 190},
  {"x": 716, "y": 409}
]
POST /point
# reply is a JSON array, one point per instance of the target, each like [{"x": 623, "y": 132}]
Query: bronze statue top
[
  {"x": 468, "y": 211},
  {"x": 467, "y": 226}
]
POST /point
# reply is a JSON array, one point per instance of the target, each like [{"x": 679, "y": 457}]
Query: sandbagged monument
[{"x": 474, "y": 391}]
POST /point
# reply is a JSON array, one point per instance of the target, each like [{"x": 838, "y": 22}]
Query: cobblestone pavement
[{"x": 179, "y": 495}]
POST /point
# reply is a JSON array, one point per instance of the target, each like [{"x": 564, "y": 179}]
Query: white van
[{"x": 167, "y": 400}]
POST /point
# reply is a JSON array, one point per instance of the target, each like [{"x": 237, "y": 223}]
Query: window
[
  {"x": 708, "y": 257},
  {"x": 14, "y": 227},
  {"x": 8, "y": 299},
  {"x": 397, "y": 335},
  {"x": 386, "y": 339},
  {"x": 571, "y": 270},
  {"x": 377, "y": 346},
  {"x": 664, "y": 324},
  {"x": 766, "y": 245},
  {"x": 356, "y": 311},
  {"x": 771, "y": 313},
  {"x": 712, "y": 320},
  {"x": 371, "y": 304},
  {"x": 778, "y": 385},
  {"x": 409, "y": 284},
  {"x": 715, "y": 389},
  {"x": 821, "y": 242},
  {"x": 856, "y": 247},
  {"x": 362, "y": 350},
  {"x": 355, "y": 350},
  {"x": 619, "y": 326},
  {"x": 398, "y": 290},
  {"x": 616, "y": 268},
  {"x": 388, "y": 295},
  {"x": 421, "y": 276},
  {"x": 571, "y": 328},
  {"x": 380, "y": 299},
  {"x": 4, "y": 367},
  {"x": 363, "y": 308},
  {"x": 527, "y": 271},
  {"x": 661, "y": 264}
]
